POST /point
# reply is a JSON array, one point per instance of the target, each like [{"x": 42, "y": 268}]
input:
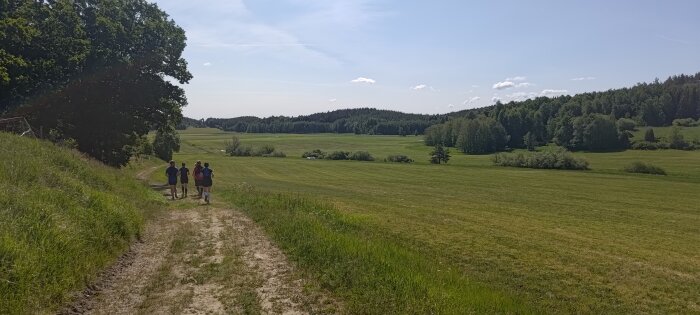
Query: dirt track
[{"x": 203, "y": 260}]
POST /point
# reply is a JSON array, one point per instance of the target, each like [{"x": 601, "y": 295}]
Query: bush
[
  {"x": 361, "y": 156},
  {"x": 643, "y": 168},
  {"x": 559, "y": 159},
  {"x": 686, "y": 122},
  {"x": 265, "y": 150},
  {"x": 646, "y": 145},
  {"x": 649, "y": 135},
  {"x": 243, "y": 150},
  {"x": 232, "y": 146},
  {"x": 316, "y": 154},
  {"x": 338, "y": 155},
  {"x": 626, "y": 124},
  {"x": 676, "y": 139},
  {"x": 399, "y": 159}
]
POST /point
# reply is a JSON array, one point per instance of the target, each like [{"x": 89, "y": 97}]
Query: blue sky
[{"x": 293, "y": 57}]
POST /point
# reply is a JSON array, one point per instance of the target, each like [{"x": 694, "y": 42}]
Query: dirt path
[{"x": 202, "y": 260}]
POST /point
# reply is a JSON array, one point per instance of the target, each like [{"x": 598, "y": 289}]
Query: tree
[
  {"x": 626, "y": 124},
  {"x": 95, "y": 71},
  {"x": 676, "y": 139},
  {"x": 439, "y": 155},
  {"x": 649, "y": 135},
  {"x": 530, "y": 141},
  {"x": 601, "y": 135},
  {"x": 166, "y": 142}
]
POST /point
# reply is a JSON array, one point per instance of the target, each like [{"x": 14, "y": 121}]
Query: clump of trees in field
[
  {"x": 675, "y": 140},
  {"x": 552, "y": 159},
  {"x": 339, "y": 155},
  {"x": 234, "y": 147},
  {"x": 96, "y": 73},
  {"x": 644, "y": 168},
  {"x": 398, "y": 158}
]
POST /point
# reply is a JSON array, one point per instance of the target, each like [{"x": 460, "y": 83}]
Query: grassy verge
[
  {"x": 62, "y": 219},
  {"x": 373, "y": 273}
]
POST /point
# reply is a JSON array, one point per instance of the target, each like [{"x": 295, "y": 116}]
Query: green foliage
[
  {"x": 361, "y": 156},
  {"x": 316, "y": 154},
  {"x": 676, "y": 139},
  {"x": 649, "y": 135},
  {"x": 626, "y": 124},
  {"x": 263, "y": 150},
  {"x": 530, "y": 141},
  {"x": 63, "y": 219},
  {"x": 337, "y": 155},
  {"x": 439, "y": 155},
  {"x": 165, "y": 143},
  {"x": 686, "y": 122},
  {"x": 480, "y": 136},
  {"x": 556, "y": 159},
  {"x": 231, "y": 146},
  {"x": 95, "y": 71},
  {"x": 650, "y": 146},
  {"x": 644, "y": 168},
  {"x": 399, "y": 158}
]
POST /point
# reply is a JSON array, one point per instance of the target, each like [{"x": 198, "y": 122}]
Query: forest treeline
[
  {"x": 93, "y": 74},
  {"x": 588, "y": 121},
  {"x": 359, "y": 121},
  {"x": 597, "y": 121}
]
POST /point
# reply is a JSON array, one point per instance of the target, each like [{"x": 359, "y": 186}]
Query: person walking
[
  {"x": 184, "y": 179},
  {"x": 207, "y": 181},
  {"x": 171, "y": 172},
  {"x": 198, "y": 178}
]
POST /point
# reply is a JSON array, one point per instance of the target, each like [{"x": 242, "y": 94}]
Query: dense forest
[
  {"x": 597, "y": 121},
  {"x": 93, "y": 74},
  {"x": 358, "y": 121}
]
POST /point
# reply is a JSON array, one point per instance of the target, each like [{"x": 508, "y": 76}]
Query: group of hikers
[{"x": 203, "y": 180}]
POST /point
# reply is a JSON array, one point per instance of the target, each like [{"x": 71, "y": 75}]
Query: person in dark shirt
[
  {"x": 171, "y": 172},
  {"x": 207, "y": 181},
  {"x": 198, "y": 178},
  {"x": 184, "y": 179}
]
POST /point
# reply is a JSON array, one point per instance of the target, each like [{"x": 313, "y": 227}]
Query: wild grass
[
  {"x": 62, "y": 219},
  {"x": 600, "y": 241}
]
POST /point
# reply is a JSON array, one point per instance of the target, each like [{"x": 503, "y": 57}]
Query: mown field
[{"x": 469, "y": 236}]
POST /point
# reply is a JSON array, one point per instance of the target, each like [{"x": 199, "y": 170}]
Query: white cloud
[
  {"x": 521, "y": 96},
  {"x": 503, "y": 85},
  {"x": 451, "y": 106},
  {"x": 495, "y": 99},
  {"x": 471, "y": 100},
  {"x": 518, "y": 78},
  {"x": 207, "y": 64},
  {"x": 364, "y": 80},
  {"x": 583, "y": 79},
  {"x": 524, "y": 84},
  {"x": 419, "y": 87},
  {"x": 553, "y": 92},
  {"x": 333, "y": 100}
]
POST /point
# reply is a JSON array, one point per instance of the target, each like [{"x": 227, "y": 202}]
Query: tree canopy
[{"x": 93, "y": 71}]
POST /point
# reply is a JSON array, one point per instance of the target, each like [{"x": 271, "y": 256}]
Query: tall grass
[
  {"x": 372, "y": 272},
  {"x": 62, "y": 219}
]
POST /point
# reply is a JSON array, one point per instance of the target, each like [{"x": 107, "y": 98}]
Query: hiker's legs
[
  {"x": 207, "y": 197},
  {"x": 173, "y": 191}
]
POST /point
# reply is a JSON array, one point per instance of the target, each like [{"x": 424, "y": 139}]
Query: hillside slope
[{"x": 62, "y": 219}]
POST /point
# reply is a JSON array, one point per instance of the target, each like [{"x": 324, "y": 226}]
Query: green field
[{"x": 469, "y": 236}]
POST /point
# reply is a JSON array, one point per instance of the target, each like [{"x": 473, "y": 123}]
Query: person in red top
[{"x": 198, "y": 177}]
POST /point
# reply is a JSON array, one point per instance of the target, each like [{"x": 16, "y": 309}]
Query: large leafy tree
[{"x": 94, "y": 71}]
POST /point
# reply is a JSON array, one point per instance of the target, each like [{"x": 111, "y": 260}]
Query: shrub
[
  {"x": 338, "y": 155},
  {"x": 685, "y": 122},
  {"x": 316, "y": 154},
  {"x": 559, "y": 159},
  {"x": 439, "y": 155},
  {"x": 399, "y": 159},
  {"x": 649, "y": 135},
  {"x": 646, "y": 145},
  {"x": 232, "y": 146},
  {"x": 644, "y": 168},
  {"x": 264, "y": 150},
  {"x": 676, "y": 139},
  {"x": 361, "y": 156},
  {"x": 243, "y": 150},
  {"x": 626, "y": 124}
]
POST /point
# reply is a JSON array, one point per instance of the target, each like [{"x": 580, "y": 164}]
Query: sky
[{"x": 293, "y": 57}]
